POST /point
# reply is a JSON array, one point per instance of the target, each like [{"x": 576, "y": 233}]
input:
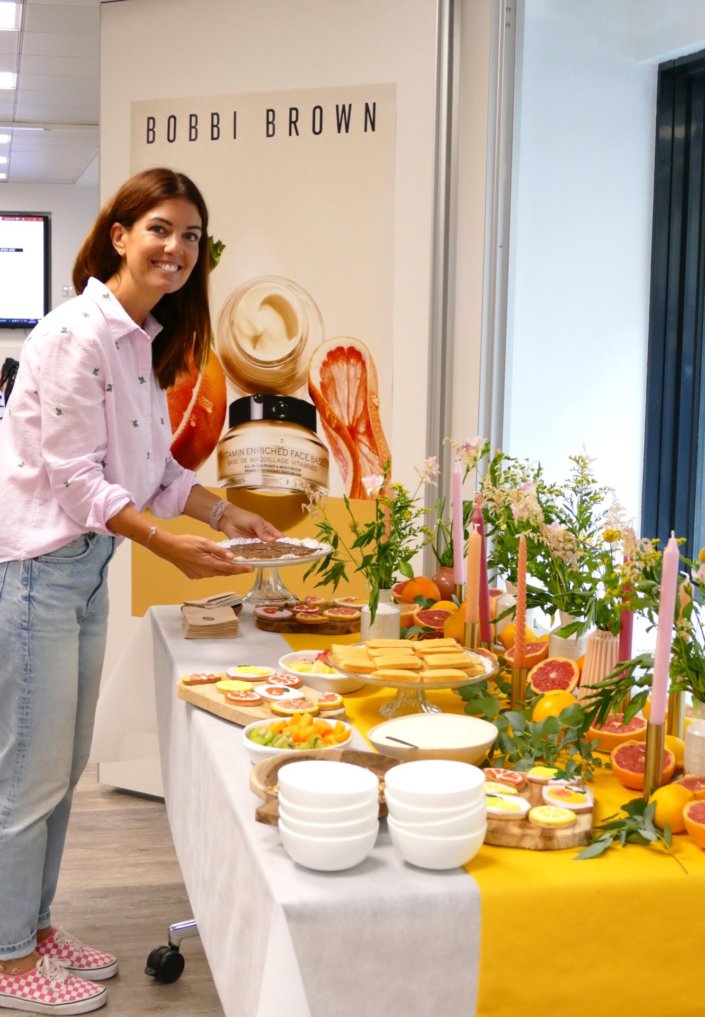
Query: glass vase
[{"x": 387, "y": 621}]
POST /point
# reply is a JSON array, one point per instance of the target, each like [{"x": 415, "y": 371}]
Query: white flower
[
  {"x": 428, "y": 470},
  {"x": 373, "y": 484},
  {"x": 468, "y": 452}
]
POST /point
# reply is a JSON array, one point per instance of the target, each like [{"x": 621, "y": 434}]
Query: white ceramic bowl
[
  {"x": 258, "y": 752},
  {"x": 330, "y": 814},
  {"x": 465, "y": 823},
  {"x": 322, "y": 782},
  {"x": 435, "y": 852},
  {"x": 354, "y": 828},
  {"x": 401, "y": 809},
  {"x": 436, "y": 783},
  {"x": 322, "y": 682},
  {"x": 325, "y": 853},
  {"x": 437, "y": 735}
]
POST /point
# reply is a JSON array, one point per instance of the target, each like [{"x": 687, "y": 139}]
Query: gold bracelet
[{"x": 152, "y": 533}]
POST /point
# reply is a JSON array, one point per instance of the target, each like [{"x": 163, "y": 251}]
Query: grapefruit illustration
[
  {"x": 197, "y": 403},
  {"x": 342, "y": 383},
  {"x": 614, "y": 732},
  {"x": 554, "y": 673},
  {"x": 629, "y": 760},
  {"x": 694, "y": 818},
  {"x": 534, "y": 653}
]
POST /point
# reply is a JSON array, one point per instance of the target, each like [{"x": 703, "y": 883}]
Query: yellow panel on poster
[{"x": 155, "y": 581}]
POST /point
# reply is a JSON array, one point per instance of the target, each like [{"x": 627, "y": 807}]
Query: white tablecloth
[{"x": 384, "y": 939}]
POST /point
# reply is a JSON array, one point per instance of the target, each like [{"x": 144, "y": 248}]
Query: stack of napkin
[{"x": 211, "y": 617}]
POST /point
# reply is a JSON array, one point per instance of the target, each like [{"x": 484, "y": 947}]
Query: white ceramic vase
[
  {"x": 572, "y": 647},
  {"x": 694, "y": 756},
  {"x": 601, "y": 657},
  {"x": 387, "y": 622}
]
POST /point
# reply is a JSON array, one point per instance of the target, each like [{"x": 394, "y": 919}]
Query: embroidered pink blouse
[{"x": 86, "y": 431}]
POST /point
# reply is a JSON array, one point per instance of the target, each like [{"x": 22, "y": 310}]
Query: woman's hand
[
  {"x": 196, "y": 557},
  {"x": 238, "y": 522}
]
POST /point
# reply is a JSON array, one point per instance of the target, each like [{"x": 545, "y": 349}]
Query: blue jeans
[{"x": 53, "y": 621}]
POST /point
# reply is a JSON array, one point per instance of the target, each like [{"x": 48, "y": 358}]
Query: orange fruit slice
[
  {"x": 554, "y": 673},
  {"x": 342, "y": 383},
  {"x": 534, "y": 653},
  {"x": 695, "y": 784},
  {"x": 629, "y": 761},
  {"x": 694, "y": 819},
  {"x": 614, "y": 732}
]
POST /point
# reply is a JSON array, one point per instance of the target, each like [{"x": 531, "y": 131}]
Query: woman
[{"x": 84, "y": 450}]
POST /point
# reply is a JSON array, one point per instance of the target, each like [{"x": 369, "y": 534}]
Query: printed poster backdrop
[{"x": 300, "y": 190}]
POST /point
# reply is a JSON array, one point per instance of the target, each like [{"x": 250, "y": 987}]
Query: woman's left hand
[{"x": 238, "y": 522}]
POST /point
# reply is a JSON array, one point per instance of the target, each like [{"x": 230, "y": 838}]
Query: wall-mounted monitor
[{"x": 25, "y": 268}]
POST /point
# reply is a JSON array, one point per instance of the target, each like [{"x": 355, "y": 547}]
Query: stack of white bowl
[
  {"x": 437, "y": 813},
  {"x": 328, "y": 813}
]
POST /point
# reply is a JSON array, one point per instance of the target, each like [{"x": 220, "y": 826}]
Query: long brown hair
[{"x": 184, "y": 315}]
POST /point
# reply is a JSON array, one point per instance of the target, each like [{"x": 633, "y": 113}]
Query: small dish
[
  {"x": 435, "y": 736},
  {"x": 259, "y": 752},
  {"x": 301, "y": 664}
]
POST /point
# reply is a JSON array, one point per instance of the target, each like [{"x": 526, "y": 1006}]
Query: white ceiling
[{"x": 56, "y": 55}]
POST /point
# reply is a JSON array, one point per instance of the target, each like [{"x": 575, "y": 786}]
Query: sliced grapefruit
[
  {"x": 398, "y": 589},
  {"x": 429, "y": 618},
  {"x": 696, "y": 784},
  {"x": 197, "y": 402},
  {"x": 342, "y": 383},
  {"x": 615, "y": 732},
  {"x": 694, "y": 818},
  {"x": 629, "y": 761},
  {"x": 534, "y": 653},
  {"x": 554, "y": 673}
]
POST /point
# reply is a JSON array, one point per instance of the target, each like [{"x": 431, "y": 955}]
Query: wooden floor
[{"x": 120, "y": 889}]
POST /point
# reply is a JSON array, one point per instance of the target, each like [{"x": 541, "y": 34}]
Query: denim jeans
[{"x": 53, "y": 621}]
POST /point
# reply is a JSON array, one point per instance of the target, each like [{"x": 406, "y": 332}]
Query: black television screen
[{"x": 24, "y": 268}]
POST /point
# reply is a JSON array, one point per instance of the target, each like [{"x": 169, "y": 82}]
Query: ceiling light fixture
[
  {"x": 10, "y": 16},
  {"x": 8, "y": 80}
]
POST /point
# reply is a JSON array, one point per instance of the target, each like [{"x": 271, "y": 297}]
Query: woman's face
[{"x": 159, "y": 251}]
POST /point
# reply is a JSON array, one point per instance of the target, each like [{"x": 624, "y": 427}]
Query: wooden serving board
[
  {"x": 520, "y": 833},
  {"x": 325, "y": 627},
  {"x": 208, "y": 698},
  {"x": 263, "y": 776}
]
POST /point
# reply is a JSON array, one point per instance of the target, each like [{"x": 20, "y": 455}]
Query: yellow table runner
[{"x": 616, "y": 935}]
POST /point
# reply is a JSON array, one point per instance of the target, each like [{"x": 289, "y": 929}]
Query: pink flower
[
  {"x": 373, "y": 484},
  {"x": 428, "y": 470}
]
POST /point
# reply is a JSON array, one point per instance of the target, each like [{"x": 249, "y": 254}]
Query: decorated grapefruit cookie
[
  {"x": 330, "y": 701},
  {"x": 290, "y": 706},
  {"x": 250, "y": 672},
  {"x": 541, "y": 774},
  {"x": 552, "y": 817},
  {"x": 289, "y": 680},
  {"x": 245, "y": 697},
  {"x": 493, "y": 787},
  {"x": 200, "y": 678},
  {"x": 232, "y": 685},
  {"x": 273, "y": 693},
  {"x": 514, "y": 778},
  {"x": 574, "y": 798}
]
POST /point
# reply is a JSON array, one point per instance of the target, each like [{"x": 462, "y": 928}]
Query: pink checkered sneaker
[
  {"x": 49, "y": 988},
  {"x": 76, "y": 957}
]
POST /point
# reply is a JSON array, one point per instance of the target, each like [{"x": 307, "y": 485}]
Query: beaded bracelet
[{"x": 216, "y": 513}]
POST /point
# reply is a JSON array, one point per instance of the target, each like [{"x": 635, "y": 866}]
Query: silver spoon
[{"x": 391, "y": 738}]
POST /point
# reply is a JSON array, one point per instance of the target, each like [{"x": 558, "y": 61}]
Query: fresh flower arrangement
[
  {"x": 584, "y": 559},
  {"x": 632, "y": 679},
  {"x": 381, "y": 549}
]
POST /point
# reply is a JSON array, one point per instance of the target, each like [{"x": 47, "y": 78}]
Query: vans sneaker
[
  {"x": 79, "y": 959},
  {"x": 49, "y": 988}
]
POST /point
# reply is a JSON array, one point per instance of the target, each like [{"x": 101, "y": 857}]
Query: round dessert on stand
[{"x": 267, "y": 557}]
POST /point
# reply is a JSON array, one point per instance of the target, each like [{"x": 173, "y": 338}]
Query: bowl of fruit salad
[
  {"x": 315, "y": 670},
  {"x": 302, "y": 732}
]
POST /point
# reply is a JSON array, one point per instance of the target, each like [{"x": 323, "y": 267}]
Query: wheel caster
[{"x": 165, "y": 963}]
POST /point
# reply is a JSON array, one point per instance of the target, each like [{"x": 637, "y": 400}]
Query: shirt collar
[{"x": 118, "y": 320}]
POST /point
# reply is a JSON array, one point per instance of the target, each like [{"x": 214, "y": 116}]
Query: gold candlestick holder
[
  {"x": 460, "y": 592},
  {"x": 518, "y": 693},
  {"x": 653, "y": 766},
  {"x": 472, "y": 632},
  {"x": 675, "y": 715}
]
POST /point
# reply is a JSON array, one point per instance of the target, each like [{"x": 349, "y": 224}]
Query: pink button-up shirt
[{"x": 86, "y": 430}]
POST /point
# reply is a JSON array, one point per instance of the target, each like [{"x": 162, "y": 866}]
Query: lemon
[
  {"x": 677, "y": 747},
  {"x": 670, "y": 801},
  {"x": 550, "y": 704}
]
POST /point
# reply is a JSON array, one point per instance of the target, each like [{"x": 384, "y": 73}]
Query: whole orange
[{"x": 551, "y": 704}]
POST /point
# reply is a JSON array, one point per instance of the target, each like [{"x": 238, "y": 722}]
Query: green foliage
[
  {"x": 522, "y": 742},
  {"x": 215, "y": 250},
  {"x": 381, "y": 549},
  {"x": 634, "y": 825}
]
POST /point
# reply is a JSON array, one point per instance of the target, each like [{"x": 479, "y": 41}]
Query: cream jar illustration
[
  {"x": 272, "y": 446},
  {"x": 266, "y": 332}
]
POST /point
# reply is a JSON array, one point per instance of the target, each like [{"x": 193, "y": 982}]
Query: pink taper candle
[
  {"x": 472, "y": 591},
  {"x": 664, "y": 632},
  {"x": 479, "y": 521},
  {"x": 520, "y": 617},
  {"x": 458, "y": 531}
]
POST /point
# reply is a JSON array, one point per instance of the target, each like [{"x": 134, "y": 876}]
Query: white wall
[
  {"x": 580, "y": 247},
  {"x": 73, "y": 209}
]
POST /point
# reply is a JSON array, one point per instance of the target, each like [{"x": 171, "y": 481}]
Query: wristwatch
[{"x": 216, "y": 514}]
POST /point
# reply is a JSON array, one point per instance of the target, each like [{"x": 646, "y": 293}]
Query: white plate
[
  {"x": 315, "y": 550},
  {"x": 322, "y": 682}
]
